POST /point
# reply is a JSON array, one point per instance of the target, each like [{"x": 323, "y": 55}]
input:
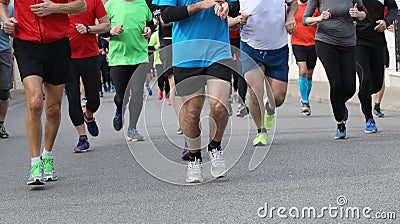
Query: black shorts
[
  {"x": 305, "y": 54},
  {"x": 191, "y": 80},
  {"x": 50, "y": 61},
  {"x": 166, "y": 59},
  {"x": 386, "y": 57}
]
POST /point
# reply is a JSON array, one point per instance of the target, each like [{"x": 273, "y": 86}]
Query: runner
[
  {"x": 42, "y": 50},
  {"x": 264, "y": 39},
  {"x": 370, "y": 54},
  {"x": 128, "y": 50},
  {"x": 303, "y": 45},
  {"x": 104, "y": 68},
  {"x": 204, "y": 20},
  {"x": 85, "y": 65},
  {"x": 336, "y": 48},
  {"x": 6, "y": 76}
]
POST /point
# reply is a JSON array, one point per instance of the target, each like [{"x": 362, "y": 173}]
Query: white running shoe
[
  {"x": 194, "y": 172},
  {"x": 218, "y": 167}
]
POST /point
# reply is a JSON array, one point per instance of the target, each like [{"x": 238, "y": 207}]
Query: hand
[
  {"x": 324, "y": 15},
  {"x": 116, "y": 30},
  {"x": 9, "y": 26},
  {"x": 243, "y": 18},
  {"x": 290, "y": 25},
  {"x": 391, "y": 28},
  {"x": 381, "y": 26},
  {"x": 207, "y": 4},
  {"x": 222, "y": 10},
  {"x": 81, "y": 28},
  {"x": 147, "y": 32},
  {"x": 354, "y": 11},
  {"x": 43, "y": 9}
]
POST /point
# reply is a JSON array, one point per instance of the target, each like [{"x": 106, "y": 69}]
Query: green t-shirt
[
  {"x": 155, "y": 42},
  {"x": 130, "y": 47}
]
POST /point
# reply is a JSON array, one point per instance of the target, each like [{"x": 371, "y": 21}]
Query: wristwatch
[{"x": 88, "y": 29}]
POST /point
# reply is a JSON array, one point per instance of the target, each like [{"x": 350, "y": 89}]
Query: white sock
[
  {"x": 35, "y": 160},
  {"x": 47, "y": 153}
]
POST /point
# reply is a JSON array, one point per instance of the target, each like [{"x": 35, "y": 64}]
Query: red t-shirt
[
  {"x": 234, "y": 33},
  {"x": 305, "y": 35},
  {"x": 85, "y": 45}
]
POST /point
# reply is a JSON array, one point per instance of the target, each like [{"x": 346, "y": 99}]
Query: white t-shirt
[{"x": 265, "y": 28}]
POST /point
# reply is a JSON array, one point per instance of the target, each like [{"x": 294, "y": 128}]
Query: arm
[
  {"x": 7, "y": 24},
  {"x": 290, "y": 21},
  {"x": 102, "y": 27},
  {"x": 392, "y": 12},
  {"x": 4, "y": 13},
  {"x": 48, "y": 7},
  {"x": 176, "y": 13},
  {"x": 308, "y": 19}
]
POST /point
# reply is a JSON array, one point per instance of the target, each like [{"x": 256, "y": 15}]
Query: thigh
[
  {"x": 89, "y": 71},
  {"x": 363, "y": 59},
  {"x": 377, "y": 67},
  {"x": 329, "y": 57},
  {"x": 311, "y": 57},
  {"x": 54, "y": 94},
  {"x": 347, "y": 62},
  {"x": 218, "y": 91},
  {"x": 250, "y": 58},
  {"x": 6, "y": 70},
  {"x": 300, "y": 53},
  {"x": 57, "y": 64},
  {"x": 189, "y": 80},
  {"x": 276, "y": 64},
  {"x": 28, "y": 57}
]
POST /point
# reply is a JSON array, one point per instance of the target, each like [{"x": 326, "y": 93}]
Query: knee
[
  {"x": 53, "y": 110},
  {"x": 192, "y": 114},
  {"x": 218, "y": 109},
  {"x": 279, "y": 100},
  {"x": 4, "y": 95},
  {"x": 35, "y": 105}
]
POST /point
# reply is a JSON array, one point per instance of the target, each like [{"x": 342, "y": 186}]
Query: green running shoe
[
  {"x": 36, "y": 177},
  {"x": 260, "y": 139},
  {"x": 3, "y": 132},
  {"x": 48, "y": 169},
  {"x": 269, "y": 120}
]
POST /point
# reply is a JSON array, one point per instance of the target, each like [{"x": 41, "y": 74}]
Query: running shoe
[
  {"x": 149, "y": 90},
  {"x": 101, "y": 94},
  {"x": 305, "y": 109},
  {"x": 106, "y": 89},
  {"x": 112, "y": 88},
  {"x": 168, "y": 102},
  {"x": 179, "y": 131},
  {"x": 378, "y": 113},
  {"x": 194, "y": 172},
  {"x": 117, "y": 122},
  {"x": 341, "y": 132},
  {"x": 36, "y": 176},
  {"x": 269, "y": 119},
  {"x": 91, "y": 126},
  {"x": 260, "y": 139},
  {"x": 82, "y": 146},
  {"x": 185, "y": 152},
  {"x": 133, "y": 135},
  {"x": 230, "y": 111},
  {"x": 160, "y": 95},
  {"x": 218, "y": 166},
  {"x": 242, "y": 111},
  {"x": 370, "y": 126},
  {"x": 3, "y": 132},
  {"x": 48, "y": 170},
  {"x": 346, "y": 114}
]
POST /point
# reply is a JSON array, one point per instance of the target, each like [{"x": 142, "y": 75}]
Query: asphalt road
[{"x": 305, "y": 167}]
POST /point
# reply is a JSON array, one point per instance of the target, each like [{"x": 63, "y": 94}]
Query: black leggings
[
  {"x": 122, "y": 75},
  {"x": 162, "y": 80},
  {"x": 370, "y": 70},
  {"x": 239, "y": 83},
  {"x": 88, "y": 69},
  {"x": 105, "y": 73},
  {"x": 340, "y": 67}
]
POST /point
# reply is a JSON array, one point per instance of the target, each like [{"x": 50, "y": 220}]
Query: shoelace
[
  {"x": 217, "y": 160},
  {"x": 48, "y": 164},
  {"x": 36, "y": 169}
]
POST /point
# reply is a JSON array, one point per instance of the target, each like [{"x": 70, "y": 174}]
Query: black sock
[
  {"x": 194, "y": 156},
  {"x": 214, "y": 145},
  {"x": 1, "y": 122},
  {"x": 377, "y": 106},
  {"x": 83, "y": 136},
  {"x": 341, "y": 127},
  {"x": 261, "y": 130}
]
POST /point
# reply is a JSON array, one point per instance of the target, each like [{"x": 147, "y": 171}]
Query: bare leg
[
  {"x": 4, "y": 104},
  {"x": 255, "y": 79},
  {"x": 218, "y": 91},
  {"x": 53, "y": 113}
]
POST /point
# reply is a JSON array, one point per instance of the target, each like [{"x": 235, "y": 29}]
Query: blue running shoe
[
  {"x": 101, "y": 94},
  {"x": 91, "y": 126},
  {"x": 185, "y": 152},
  {"x": 346, "y": 114},
  {"x": 112, "y": 88},
  {"x": 133, "y": 135},
  {"x": 379, "y": 113},
  {"x": 370, "y": 126},
  {"x": 341, "y": 131},
  {"x": 149, "y": 90},
  {"x": 83, "y": 145},
  {"x": 117, "y": 122}
]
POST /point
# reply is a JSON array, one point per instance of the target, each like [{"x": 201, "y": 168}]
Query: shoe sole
[
  {"x": 36, "y": 182},
  {"x": 337, "y": 138},
  {"x": 194, "y": 181},
  {"x": 81, "y": 151},
  {"x": 48, "y": 179},
  {"x": 134, "y": 139},
  {"x": 370, "y": 132}
]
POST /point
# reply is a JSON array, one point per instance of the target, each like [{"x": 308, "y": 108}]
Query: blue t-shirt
[
  {"x": 4, "y": 38},
  {"x": 199, "y": 40}
]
